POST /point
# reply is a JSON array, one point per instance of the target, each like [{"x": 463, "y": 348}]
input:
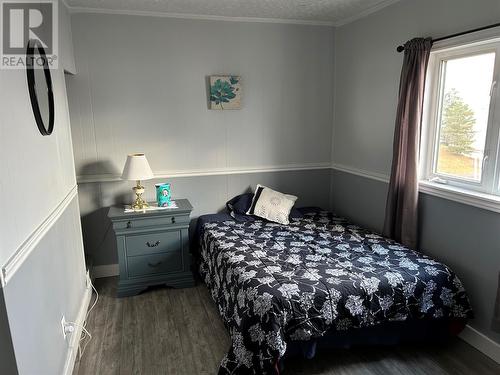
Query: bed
[{"x": 320, "y": 276}]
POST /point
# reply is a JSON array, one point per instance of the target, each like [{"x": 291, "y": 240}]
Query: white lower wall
[{"x": 50, "y": 283}]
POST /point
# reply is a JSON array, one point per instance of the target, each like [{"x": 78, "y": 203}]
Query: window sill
[{"x": 472, "y": 198}]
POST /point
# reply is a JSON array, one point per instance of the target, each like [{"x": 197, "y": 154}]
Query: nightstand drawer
[
  {"x": 144, "y": 222},
  {"x": 160, "y": 242},
  {"x": 146, "y": 265}
]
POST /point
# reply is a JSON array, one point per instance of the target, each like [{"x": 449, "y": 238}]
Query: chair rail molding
[
  {"x": 23, "y": 251},
  {"x": 90, "y": 178},
  {"x": 361, "y": 172},
  {"x": 471, "y": 198}
]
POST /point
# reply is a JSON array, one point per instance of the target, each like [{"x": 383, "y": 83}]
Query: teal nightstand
[{"x": 153, "y": 247}]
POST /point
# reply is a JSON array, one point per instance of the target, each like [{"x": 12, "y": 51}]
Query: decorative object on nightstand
[
  {"x": 153, "y": 247},
  {"x": 137, "y": 169},
  {"x": 163, "y": 194}
]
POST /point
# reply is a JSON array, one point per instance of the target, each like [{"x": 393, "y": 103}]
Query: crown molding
[
  {"x": 206, "y": 17},
  {"x": 190, "y": 16},
  {"x": 84, "y": 179},
  {"x": 365, "y": 12}
]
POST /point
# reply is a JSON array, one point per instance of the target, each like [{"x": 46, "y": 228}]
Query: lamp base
[{"x": 139, "y": 203}]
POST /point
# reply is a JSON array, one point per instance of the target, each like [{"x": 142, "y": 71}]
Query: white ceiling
[{"x": 333, "y": 12}]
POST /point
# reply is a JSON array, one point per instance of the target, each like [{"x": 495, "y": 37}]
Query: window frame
[{"x": 490, "y": 176}]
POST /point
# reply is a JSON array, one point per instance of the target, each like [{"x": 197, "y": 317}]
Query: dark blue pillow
[
  {"x": 240, "y": 204},
  {"x": 238, "y": 207}
]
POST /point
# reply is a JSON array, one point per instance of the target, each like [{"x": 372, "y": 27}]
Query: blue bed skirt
[{"x": 391, "y": 333}]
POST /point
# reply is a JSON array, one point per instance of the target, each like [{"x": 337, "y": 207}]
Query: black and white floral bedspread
[{"x": 276, "y": 283}]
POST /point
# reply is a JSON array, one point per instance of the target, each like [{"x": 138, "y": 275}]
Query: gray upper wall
[
  {"x": 368, "y": 67},
  {"x": 141, "y": 86}
]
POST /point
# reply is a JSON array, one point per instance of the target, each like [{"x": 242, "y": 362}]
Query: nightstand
[{"x": 153, "y": 247}]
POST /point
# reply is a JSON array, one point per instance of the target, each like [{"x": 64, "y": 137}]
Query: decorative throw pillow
[
  {"x": 271, "y": 205},
  {"x": 240, "y": 204},
  {"x": 238, "y": 207}
]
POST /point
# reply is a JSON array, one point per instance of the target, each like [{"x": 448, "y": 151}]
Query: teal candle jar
[{"x": 163, "y": 194}]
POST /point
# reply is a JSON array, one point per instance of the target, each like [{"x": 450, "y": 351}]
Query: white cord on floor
[{"x": 84, "y": 327}]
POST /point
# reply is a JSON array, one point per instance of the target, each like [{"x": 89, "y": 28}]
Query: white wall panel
[
  {"x": 50, "y": 284},
  {"x": 141, "y": 86},
  {"x": 37, "y": 172}
]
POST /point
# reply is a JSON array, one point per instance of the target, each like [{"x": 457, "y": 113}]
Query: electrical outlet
[
  {"x": 67, "y": 327},
  {"x": 88, "y": 280},
  {"x": 63, "y": 326}
]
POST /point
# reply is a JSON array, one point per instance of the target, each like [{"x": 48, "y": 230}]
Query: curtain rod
[{"x": 402, "y": 48}]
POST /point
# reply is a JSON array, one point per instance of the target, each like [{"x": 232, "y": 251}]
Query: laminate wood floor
[{"x": 179, "y": 331}]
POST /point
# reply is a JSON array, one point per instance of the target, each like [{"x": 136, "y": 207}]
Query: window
[{"x": 461, "y": 124}]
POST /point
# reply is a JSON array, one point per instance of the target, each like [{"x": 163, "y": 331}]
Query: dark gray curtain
[
  {"x": 496, "y": 315},
  {"x": 401, "y": 207}
]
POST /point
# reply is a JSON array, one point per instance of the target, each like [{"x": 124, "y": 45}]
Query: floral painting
[{"x": 225, "y": 92}]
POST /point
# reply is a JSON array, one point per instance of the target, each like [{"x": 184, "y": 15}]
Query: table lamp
[{"x": 136, "y": 169}]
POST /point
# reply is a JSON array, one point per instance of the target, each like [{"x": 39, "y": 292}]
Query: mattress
[{"x": 274, "y": 284}]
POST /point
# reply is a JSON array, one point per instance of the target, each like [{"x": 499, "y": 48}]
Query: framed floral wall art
[{"x": 225, "y": 92}]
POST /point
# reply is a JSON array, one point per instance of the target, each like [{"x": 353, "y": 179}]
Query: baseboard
[
  {"x": 481, "y": 342},
  {"x": 106, "y": 270},
  {"x": 75, "y": 336}
]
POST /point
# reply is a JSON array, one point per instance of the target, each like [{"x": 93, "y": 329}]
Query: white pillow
[{"x": 271, "y": 205}]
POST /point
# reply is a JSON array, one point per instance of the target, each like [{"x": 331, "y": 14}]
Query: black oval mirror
[{"x": 40, "y": 86}]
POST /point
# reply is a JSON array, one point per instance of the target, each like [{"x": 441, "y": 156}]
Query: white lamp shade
[{"x": 137, "y": 168}]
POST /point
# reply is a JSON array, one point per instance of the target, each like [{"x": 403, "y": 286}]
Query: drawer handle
[
  {"x": 173, "y": 220},
  {"x": 154, "y": 264},
  {"x": 153, "y": 244},
  {"x": 129, "y": 224}
]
